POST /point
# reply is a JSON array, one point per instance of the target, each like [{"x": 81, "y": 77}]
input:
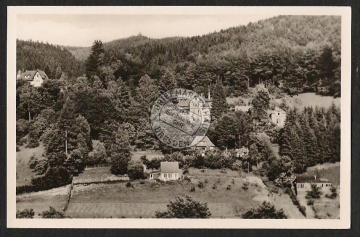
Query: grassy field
[
  {"x": 328, "y": 171},
  {"x": 311, "y": 99},
  {"x": 41, "y": 201},
  {"x": 23, "y": 173},
  {"x": 150, "y": 154},
  {"x": 143, "y": 200}
]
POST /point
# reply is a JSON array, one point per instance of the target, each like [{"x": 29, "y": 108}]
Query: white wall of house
[
  {"x": 278, "y": 118},
  {"x": 307, "y": 186},
  {"x": 37, "y": 80},
  {"x": 169, "y": 176}
]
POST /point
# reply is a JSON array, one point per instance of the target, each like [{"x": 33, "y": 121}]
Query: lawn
[
  {"x": 150, "y": 154},
  {"x": 23, "y": 172},
  {"x": 143, "y": 200},
  {"x": 41, "y": 201},
  {"x": 330, "y": 171}
]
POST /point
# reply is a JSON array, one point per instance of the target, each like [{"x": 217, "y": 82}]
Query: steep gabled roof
[
  {"x": 29, "y": 75},
  {"x": 201, "y": 141},
  {"x": 169, "y": 167}
]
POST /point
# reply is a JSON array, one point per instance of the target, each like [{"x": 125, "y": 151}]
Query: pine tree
[
  {"x": 120, "y": 153},
  {"x": 146, "y": 94},
  {"x": 326, "y": 64},
  {"x": 95, "y": 60},
  {"x": 58, "y": 72},
  {"x": 219, "y": 105},
  {"x": 227, "y": 131}
]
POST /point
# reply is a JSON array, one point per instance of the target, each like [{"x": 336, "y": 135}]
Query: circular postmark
[{"x": 180, "y": 118}]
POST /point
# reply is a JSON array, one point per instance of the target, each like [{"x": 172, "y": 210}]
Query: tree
[
  {"x": 135, "y": 170},
  {"x": 25, "y": 214},
  {"x": 75, "y": 162},
  {"x": 314, "y": 193},
  {"x": 261, "y": 102},
  {"x": 146, "y": 93},
  {"x": 219, "y": 105},
  {"x": 254, "y": 153},
  {"x": 227, "y": 131},
  {"x": 98, "y": 155},
  {"x": 95, "y": 59},
  {"x": 58, "y": 72},
  {"x": 265, "y": 211},
  {"x": 120, "y": 153},
  {"x": 167, "y": 82},
  {"x": 185, "y": 208},
  {"x": 326, "y": 64}
]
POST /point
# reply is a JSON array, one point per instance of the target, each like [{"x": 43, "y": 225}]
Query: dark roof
[
  {"x": 310, "y": 179},
  {"x": 29, "y": 75},
  {"x": 169, "y": 167}
]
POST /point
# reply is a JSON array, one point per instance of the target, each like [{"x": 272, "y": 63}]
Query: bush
[
  {"x": 53, "y": 178},
  {"x": 52, "y": 213},
  {"x": 187, "y": 179},
  {"x": 128, "y": 184},
  {"x": 185, "y": 208},
  {"x": 333, "y": 193},
  {"x": 25, "y": 214},
  {"x": 233, "y": 181},
  {"x": 314, "y": 193},
  {"x": 192, "y": 189},
  {"x": 228, "y": 187},
  {"x": 245, "y": 186},
  {"x": 41, "y": 167},
  {"x": 206, "y": 181},
  {"x": 310, "y": 202},
  {"x": 214, "y": 186},
  {"x": 33, "y": 162},
  {"x": 135, "y": 170},
  {"x": 201, "y": 184},
  {"x": 265, "y": 211}
]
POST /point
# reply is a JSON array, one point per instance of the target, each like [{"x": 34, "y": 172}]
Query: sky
[{"x": 82, "y": 30}]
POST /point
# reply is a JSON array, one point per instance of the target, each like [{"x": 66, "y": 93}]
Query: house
[
  {"x": 277, "y": 117},
  {"x": 168, "y": 171},
  {"x": 202, "y": 143},
  {"x": 243, "y": 108},
  {"x": 303, "y": 183},
  {"x": 36, "y": 77}
]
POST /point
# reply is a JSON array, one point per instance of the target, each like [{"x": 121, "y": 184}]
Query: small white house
[
  {"x": 168, "y": 171},
  {"x": 202, "y": 143},
  {"x": 277, "y": 117},
  {"x": 303, "y": 183},
  {"x": 36, "y": 77}
]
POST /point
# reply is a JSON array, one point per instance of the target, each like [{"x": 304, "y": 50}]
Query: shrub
[
  {"x": 265, "y": 211},
  {"x": 233, "y": 181},
  {"x": 52, "y": 213},
  {"x": 25, "y": 214},
  {"x": 185, "y": 208},
  {"x": 201, "y": 184},
  {"x": 206, "y": 181},
  {"x": 214, "y": 186},
  {"x": 41, "y": 167},
  {"x": 333, "y": 193},
  {"x": 186, "y": 178},
  {"x": 310, "y": 202},
  {"x": 245, "y": 186},
  {"x": 33, "y": 162},
  {"x": 128, "y": 184},
  {"x": 228, "y": 187},
  {"x": 53, "y": 178},
  {"x": 135, "y": 170},
  {"x": 192, "y": 189},
  {"x": 314, "y": 193}
]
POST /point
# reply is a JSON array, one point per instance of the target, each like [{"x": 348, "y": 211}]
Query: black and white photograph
[{"x": 160, "y": 116}]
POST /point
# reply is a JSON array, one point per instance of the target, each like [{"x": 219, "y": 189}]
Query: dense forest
[{"x": 96, "y": 111}]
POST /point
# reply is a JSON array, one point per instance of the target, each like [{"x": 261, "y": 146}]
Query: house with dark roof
[
  {"x": 35, "y": 77},
  {"x": 168, "y": 171},
  {"x": 304, "y": 182}
]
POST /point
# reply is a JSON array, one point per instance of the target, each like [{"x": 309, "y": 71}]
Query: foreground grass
[
  {"x": 227, "y": 200},
  {"x": 23, "y": 172}
]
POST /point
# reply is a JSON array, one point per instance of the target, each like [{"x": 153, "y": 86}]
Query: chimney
[
  {"x": 209, "y": 98},
  {"x": 314, "y": 177}
]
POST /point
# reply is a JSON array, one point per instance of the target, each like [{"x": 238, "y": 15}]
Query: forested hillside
[
  {"x": 52, "y": 59},
  {"x": 299, "y": 50}
]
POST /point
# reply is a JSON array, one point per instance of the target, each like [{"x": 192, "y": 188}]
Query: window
[
  {"x": 165, "y": 175},
  {"x": 170, "y": 175}
]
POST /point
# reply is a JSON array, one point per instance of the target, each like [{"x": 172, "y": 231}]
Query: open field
[
  {"x": 41, "y": 201},
  {"x": 23, "y": 172},
  {"x": 150, "y": 154},
  {"x": 328, "y": 171},
  {"x": 97, "y": 174},
  {"x": 143, "y": 200},
  {"x": 311, "y": 99}
]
